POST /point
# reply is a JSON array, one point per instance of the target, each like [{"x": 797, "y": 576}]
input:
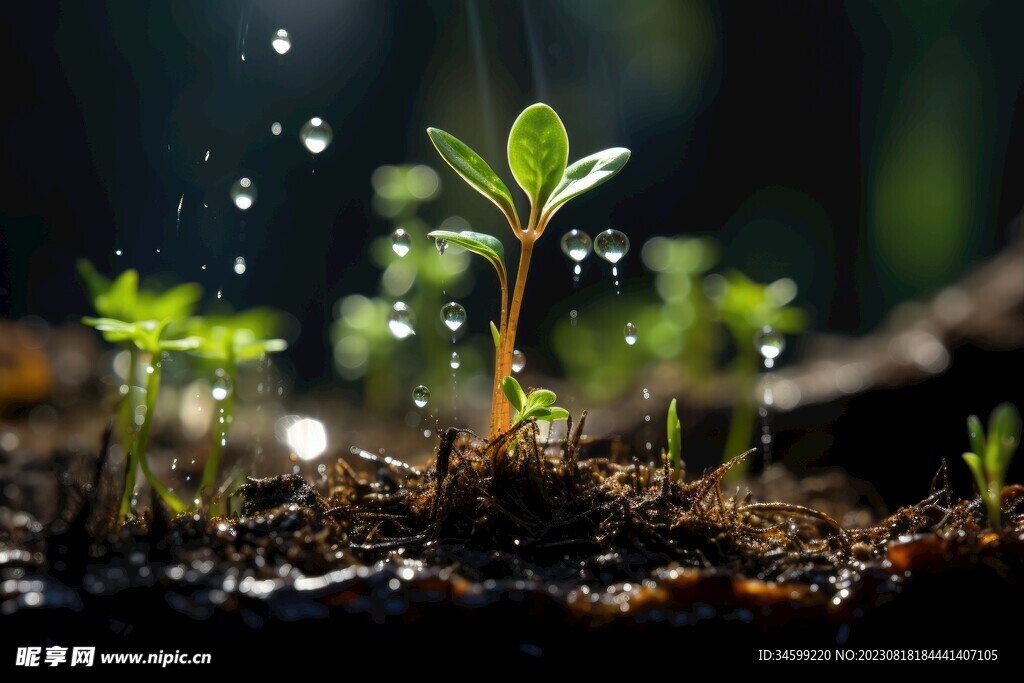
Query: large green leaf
[
  {"x": 475, "y": 171},
  {"x": 514, "y": 392},
  {"x": 538, "y": 149},
  {"x": 976, "y": 435},
  {"x": 584, "y": 175},
  {"x": 479, "y": 243}
]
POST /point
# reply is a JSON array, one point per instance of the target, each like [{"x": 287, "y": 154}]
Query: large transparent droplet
[
  {"x": 611, "y": 245},
  {"x": 576, "y": 245},
  {"x": 275, "y": 128},
  {"x": 401, "y": 242},
  {"x": 243, "y": 193},
  {"x": 316, "y": 135},
  {"x": 440, "y": 244},
  {"x": 421, "y": 396},
  {"x": 455, "y": 361},
  {"x": 453, "y": 315},
  {"x": 240, "y": 265},
  {"x": 769, "y": 343},
  {"x": 631, "y": 334},
  {"x": 281, "y": 42},
  {"x": 401, "y": 321},
  {"x": 221, "y": 387},
  {"x": 518, "y": 361}
]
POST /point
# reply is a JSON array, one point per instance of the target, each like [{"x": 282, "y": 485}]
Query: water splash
[
  {"x": 281, "y": 42},
  {"x": 401, "y": 242},
  {"x": 421, "y": 396},
  {"x": 316, "y": 134},
  {"x": 401, "y": 321}
]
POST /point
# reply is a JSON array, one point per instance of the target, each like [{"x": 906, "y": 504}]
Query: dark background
[{"x": 109, "y": 108}]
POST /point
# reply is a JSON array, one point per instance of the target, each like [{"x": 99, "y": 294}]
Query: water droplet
[
  {"x": 240, "y": 265},
  {"x": 455, "y": 361},
  {"x": 243, "y": 193},
  {"x": 220, "y": 293},
  {"x": 118, "y": 252},
  {"x": 631, "y": 334},
  {"x": 518, "y": 361},
  {"x": 221, "y": 387},
  {"x": 401, "y": 242},
  {"x": 769, "y": 343},
  {"x": 206, "y": 157},
  {"x": 441, "y": 244},
  {"x": 611, "y": 245},
  {"x": 281, "y": 42},
  {"x": 316, "y": 135},
  {"x": 401, "y": 321},
  {"x": 275, "y": 128},
  {"x": 576, "y": 245},
  {"x": 306, "y": 437},
  {"x": 421, "y": 396},
  {"x": 453, "y": 315}
]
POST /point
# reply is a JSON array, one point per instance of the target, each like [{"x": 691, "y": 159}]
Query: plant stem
[
  {"x": 511, "y": 326},
  {"x": 128, "y": 434},
  {"x": 139, "y": 450},
  {"x": 497, "y": 398},
  {"x": 743, "y": 414},
  {"x": 219, "y": 432}
]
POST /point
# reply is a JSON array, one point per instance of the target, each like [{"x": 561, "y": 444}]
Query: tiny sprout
[
  {"x": 538, "y": 405},
  {"x": 989, "y": 459},
  {"x": 675, "y": 443},
  {"x": 538, "y": 152}
]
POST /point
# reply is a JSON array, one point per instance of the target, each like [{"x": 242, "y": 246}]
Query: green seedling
[
  {"x": 990, "y": 458},
  {"x": 538, "y": 151},
  {"x": 675, "y": 442},
  {"x": 228, "y": 342},
  {"x": 142, "y": 322},
  {"x": 745, "y": 307},
  {"x": 538, "y": 405}
]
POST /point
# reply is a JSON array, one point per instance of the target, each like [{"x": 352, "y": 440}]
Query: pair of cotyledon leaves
[{"x": 538, "y": 151}]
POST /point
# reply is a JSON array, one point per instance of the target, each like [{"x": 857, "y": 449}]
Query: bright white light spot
[{"x": 306, "y": 437}]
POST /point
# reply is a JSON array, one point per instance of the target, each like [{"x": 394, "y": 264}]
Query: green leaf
[
  {"x": 557, "y": 414},
  {"x": 176, "y": 304},
  {"x": 475, "y": 171},
  {"x": 186, "y": 344},
  {"x": 479, "y": 243},
  {"x": 541, "y": 398},
  {"x": 538, "y": 149},
  {"x": 495, "y": 335},
  {"x": 675, "y": 447},
  {"x": 974, "y": 463},
  {"x": 976, "y": 434},
  {"x": 1004, "y": 429},
  {"x": 584, "y": 175},
  {"x": 514, "y": 393}
]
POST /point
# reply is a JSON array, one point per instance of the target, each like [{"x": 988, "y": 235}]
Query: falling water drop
[
  {"x": 770, "y": 344},
  {"x": 401, "y": 321},
  {"x": 611, "y": 245},
  {"x": 631, "y": 334},
  {"x": 220, "y": 293},
  {"x": 275, "y": 128},
  {"x": 453, "y": 315},
  {"x": 441, "y": 244},
  {"x": 118, "y": 252},
  {"x": 243, "y": 193},
  {"x": 401, "y": 242},
  {"x": 281, "y": 42},
  {"x": 576, "y": 245},
  {"x": 316, "y": 135},
  {"x": 518, "y": 361},
  {"x": 455, "y": 361},
  {"x": 240, "y": 265},
  {"x": 421, "y": 396},
  {"x": 221, "y": 387}
]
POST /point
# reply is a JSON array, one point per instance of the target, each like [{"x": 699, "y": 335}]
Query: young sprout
[
  {"x": 675, "y": 442},
  {"x": 140, "y": 321},
  {"x": 538, "y": 149},
  {"x": 538, "y": 405},
  {"x": 229, "y": 342},
  {"x": 989, "y": 459}
]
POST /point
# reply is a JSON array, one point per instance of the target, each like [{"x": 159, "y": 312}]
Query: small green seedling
[
  {"x": 229, "y": 342},
  {"x": 675, "y": 442},
  {"x": 989, "y": 459},
  {"x": 142, "y": 322},
  {"x": 538, "y": 150},
  {"x": 538, "y": 405}
]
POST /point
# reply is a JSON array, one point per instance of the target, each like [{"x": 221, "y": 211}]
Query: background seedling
[{"x": 989, "y": 459}]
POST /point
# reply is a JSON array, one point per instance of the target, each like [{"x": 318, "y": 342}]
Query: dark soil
[{"x": 539, "y": 553}]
